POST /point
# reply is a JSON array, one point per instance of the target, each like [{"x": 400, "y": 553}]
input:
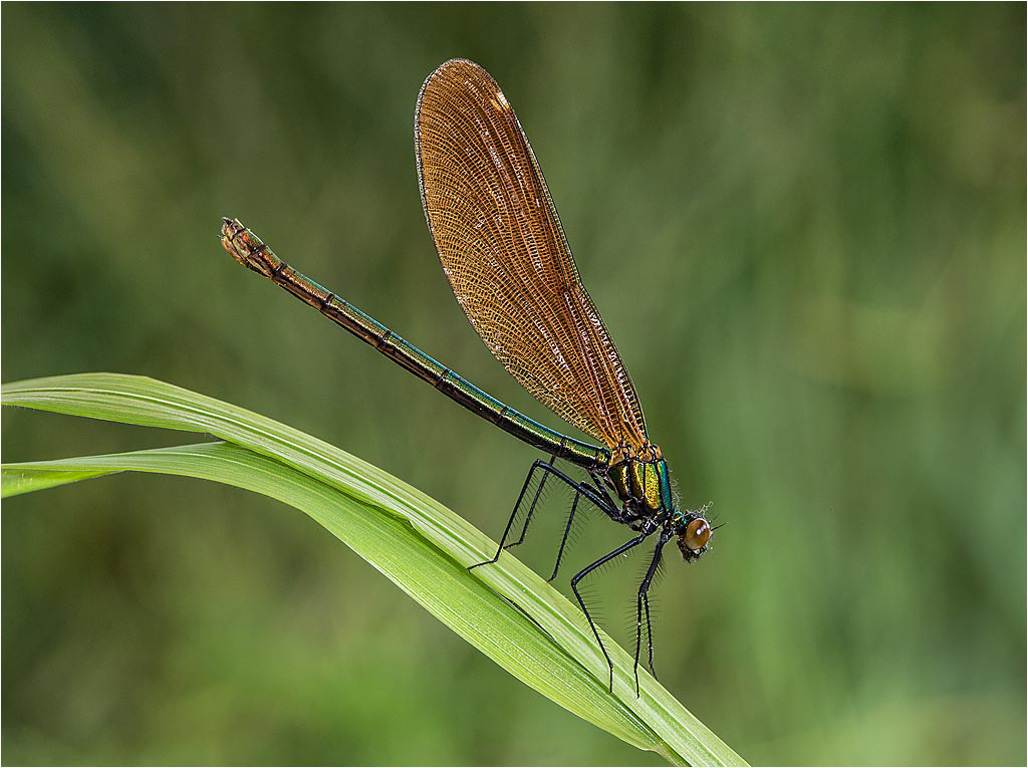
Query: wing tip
[
  {"x": 446, "y": 66},
  {"x": 457, "y": 61}
]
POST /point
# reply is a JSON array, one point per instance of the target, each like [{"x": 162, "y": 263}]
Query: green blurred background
[{"x": 805, "y": 227}]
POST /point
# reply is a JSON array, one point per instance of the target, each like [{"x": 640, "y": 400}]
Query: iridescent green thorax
[{"x": 643, "y": 484}]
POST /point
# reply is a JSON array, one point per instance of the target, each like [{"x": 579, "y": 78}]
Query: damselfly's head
[{"x": 693, "y": 532}]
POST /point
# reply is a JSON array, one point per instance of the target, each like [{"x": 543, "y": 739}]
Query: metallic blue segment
[
  {"x": 665, "y": 485},
  {"x": 531, "y": 424},
  {"x": 348, "y": 307},
  {"x": 426, "y": 360},
  {"x": 525, "y": 428}
]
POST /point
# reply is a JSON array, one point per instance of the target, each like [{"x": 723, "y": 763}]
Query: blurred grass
[{"x": 805, "y": 228}]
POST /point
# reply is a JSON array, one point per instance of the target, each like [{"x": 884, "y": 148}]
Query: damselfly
[{"x": 503, "y": 249}]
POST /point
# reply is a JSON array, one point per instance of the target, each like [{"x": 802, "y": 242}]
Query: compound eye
[{"x": 697, "y": 534}]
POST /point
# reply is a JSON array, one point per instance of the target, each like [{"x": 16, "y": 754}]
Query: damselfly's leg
[
  {"x": 564, "y": 538},
  {"x": 649, "y": 634},
  {"x": 581, "y": 489},
  {"x": 585, "y": 572},
  {"x": 642, "y": 609},
  {"x": 531, "y": 509},
  {"x": 600, "y": 498}
]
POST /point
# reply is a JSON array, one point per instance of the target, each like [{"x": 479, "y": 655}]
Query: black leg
[
  {"x": 564, "y": 539},
  {"x": 649, "y": 634},
  {"x": 585, "y": 572},
  {"x": 643, "y": 602},
  {"x": 599, "y": 487},
  {"x": 517, "y": 505},
  {"x": 531, "y": 509},
  {"x": 547, "y": 469},
  {"x": 638, "y": 640}
]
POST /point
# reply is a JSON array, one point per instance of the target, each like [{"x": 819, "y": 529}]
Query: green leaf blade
[
  {"x": 18, "y": 480},
  {"x": 554, "y": 652}
]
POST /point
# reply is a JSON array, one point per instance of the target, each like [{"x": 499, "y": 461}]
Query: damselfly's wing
[{"x": 504, "y": 252}]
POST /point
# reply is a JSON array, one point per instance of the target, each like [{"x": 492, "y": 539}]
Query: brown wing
[{"x": 504, "y": 252}]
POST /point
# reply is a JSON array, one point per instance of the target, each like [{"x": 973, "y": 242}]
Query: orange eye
[{"x": 697, "y": 534}]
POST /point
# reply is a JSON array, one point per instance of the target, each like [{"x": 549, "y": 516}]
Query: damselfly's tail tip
[
  {"x": 230, "y": 229},
  {"x": 229, "y": 226},
  {"x": 248, "y": 249}
]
